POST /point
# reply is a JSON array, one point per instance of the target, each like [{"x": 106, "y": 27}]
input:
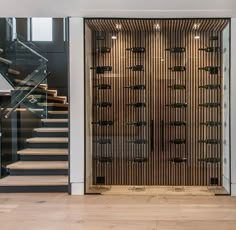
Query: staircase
[{"x": 43, "y": 164}]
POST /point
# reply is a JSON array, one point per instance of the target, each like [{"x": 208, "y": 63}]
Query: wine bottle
[
  {"x": 104, "y": 159},
  {"x": 177, "y": 68},
  {"x": 103, "y": 50},
  {"x": 178, "y": 105},
  {"x": 176, "y": 49},
  {"x": 137, "y": 104},
  {"x": 213, "y": 38},
  {"x": 177, "y": 123},
  {"x": 210, "y": 69},
  {"x": 209, "y": 86},
  {"x": 138, "y": 141},
  {"x": 210, "y": 141},
  {"x": 210, "y": 104},
  {"x": 210, "y": 160},
  {"x": 102, "y": 69},
  {"x": 211, "y": 123},
  {"x": 103, "y": 141},
  {"x": 178, "y": 159},
  {"x": 177, "y": 86},
  {"x": 100, "y": 37},
  {"x": 178, "y": 141},
  {"x": 210, "y": 49},
  {"x": 103, "y": 123},
  {"x": 103, "y": 104},
  {"x": 137, "y": 123},
  {"x": 136, "y": 68},
  {"x": 136, "y": 49},
  {"x": 140, "y": 159},
  {"x": 103, "y": 86},
  {"x": 136, "y": 87}
]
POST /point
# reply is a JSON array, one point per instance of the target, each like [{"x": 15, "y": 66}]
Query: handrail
[
  {"x": 31, "y": 75},
  {"x": 23, "y": 99},
  {"x": 31, "y": 50},
  {"x": 25, "y": 83}
]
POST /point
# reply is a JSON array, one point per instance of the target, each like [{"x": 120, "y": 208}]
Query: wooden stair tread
[
  {"x": 47, "y": 140},
  {"x": 23, "y": 82},
  {"x": 34, "y": 180},
  {"x": 54, "y": 120},
  {"x": 13, "y": 71},
  {"x": 57, "y": 112},
  {"x": 51, "y": 130},
  {"x": 5, "y": 61},
  {"x": 52, "y": 91},
  {"x": 35, "y": 151},
  {"x": 38, "y": 165},
  {"x": 56, "y": 98},
  {"x": 53, "y": 104}
]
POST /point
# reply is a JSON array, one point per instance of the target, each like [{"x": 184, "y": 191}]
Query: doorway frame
[{"x": 84, "y": 75}]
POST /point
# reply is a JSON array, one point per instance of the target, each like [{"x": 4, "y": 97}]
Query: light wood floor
[
  {"x": 63, "y": 212},
  {"x": 159, "y": 190}
]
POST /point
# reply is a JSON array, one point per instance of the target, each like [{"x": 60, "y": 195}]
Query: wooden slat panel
[{"x": 158, "y": 170}]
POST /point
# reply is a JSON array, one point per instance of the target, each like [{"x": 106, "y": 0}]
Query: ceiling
[{"x": 155, "y": 24}]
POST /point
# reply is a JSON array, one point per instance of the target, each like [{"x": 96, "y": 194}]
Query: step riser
[
  {"x": 57, "y": 108},
  {"x": 50, "y": 100},
  {"x": 55, "y": 124},
  {"x": 38, "y": 172},
  {"x": 34, "y": 189},
  {"x": 47, "y": 145},
  {"x": 50, "y": 134},
  {"x": 43, "y": 158},
  {"x": 58, "y": 116}
]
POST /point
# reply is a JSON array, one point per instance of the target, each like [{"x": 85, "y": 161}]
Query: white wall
[
  {"x": 76, "y": 102},
  {"x": 226, "y": 108},
  {"x": 233, "y": 107},
  {"x": 118, "y": 8},
  {"x": 112, "y": 8}
]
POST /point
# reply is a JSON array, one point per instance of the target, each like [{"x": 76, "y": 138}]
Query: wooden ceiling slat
[{"x": 148, "y": 24}]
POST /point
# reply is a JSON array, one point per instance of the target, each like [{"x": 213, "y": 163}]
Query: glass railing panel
[
  {"x": 18, "y": 57},
  {"x": 25, "y": 69},
  {"x": 32, "y": 95}
]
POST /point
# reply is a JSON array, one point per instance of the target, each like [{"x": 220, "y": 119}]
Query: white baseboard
[
  {"x": 226, "y": 184},
  {"x": 77, "y": 189},
  {"x": 233, "y": 189}
]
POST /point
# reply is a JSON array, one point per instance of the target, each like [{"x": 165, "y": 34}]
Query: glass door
[{"x": 154, "y": 103}]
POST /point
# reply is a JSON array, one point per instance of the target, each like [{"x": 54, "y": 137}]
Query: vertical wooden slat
[{"x": 156, "y": 76}]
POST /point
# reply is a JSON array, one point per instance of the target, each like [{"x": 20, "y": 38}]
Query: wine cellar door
[{"x": 155, "y": 102}]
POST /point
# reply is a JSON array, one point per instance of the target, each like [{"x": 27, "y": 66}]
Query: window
[
  {"x": 14, "y": 35},
  {"x": 40, "y": 29}
]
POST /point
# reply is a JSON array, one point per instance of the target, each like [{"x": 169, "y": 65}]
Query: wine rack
[{"x": 156, "y": 100}]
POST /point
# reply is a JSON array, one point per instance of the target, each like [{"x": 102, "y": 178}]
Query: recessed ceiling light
[
  {"x": 114, "y": 37},
  {"x": 157, "y": 27},
  {"x": 118, "y": 26},
  {"x": 196, "y": 26},
  {"x": 196, "y": 37}
]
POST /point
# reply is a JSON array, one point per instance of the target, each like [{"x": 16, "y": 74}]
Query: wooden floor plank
[{"x": 116, "y": 212}]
